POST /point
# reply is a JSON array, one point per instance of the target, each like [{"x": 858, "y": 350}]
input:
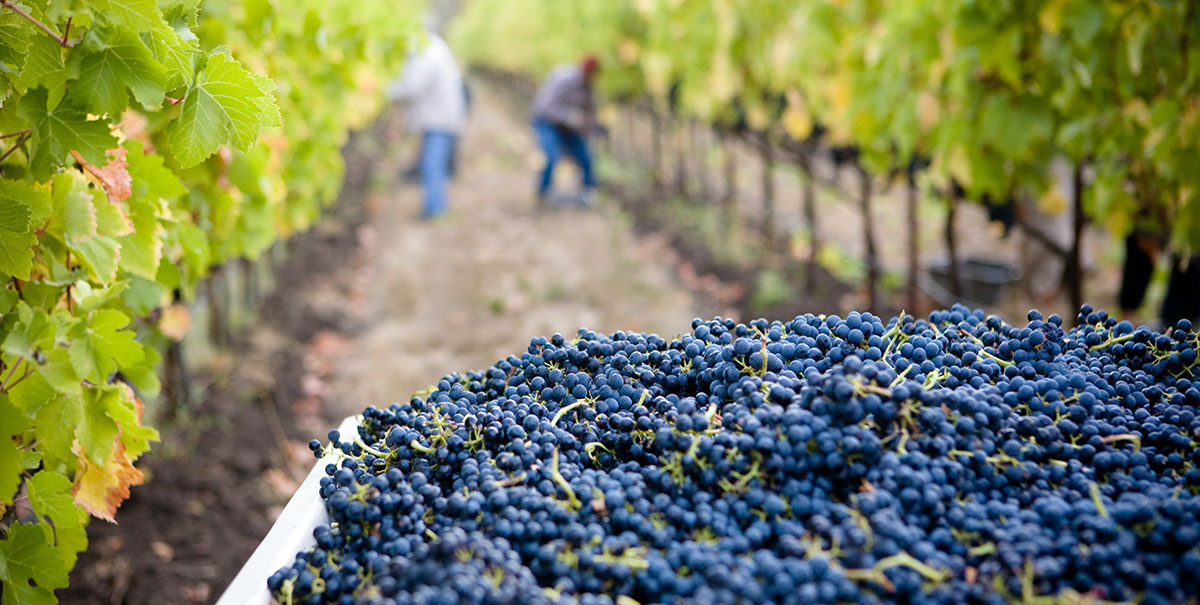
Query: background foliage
[{"x": 987, "y": 92}]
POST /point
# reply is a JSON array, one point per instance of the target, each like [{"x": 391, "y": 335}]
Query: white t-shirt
[{"x": 432, "y": 86}]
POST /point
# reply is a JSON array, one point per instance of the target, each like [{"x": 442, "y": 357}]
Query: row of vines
[
  {"x": 144, "y": 143},
  {"x": 965, "y": 100}
]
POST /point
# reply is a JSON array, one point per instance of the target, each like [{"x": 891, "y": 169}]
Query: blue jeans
[
  {"x": 435, "y": 168},
  {"x": 554, "y": 140}
]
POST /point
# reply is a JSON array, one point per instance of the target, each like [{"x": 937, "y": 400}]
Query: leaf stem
[
  {"x": 62, "y": 40},
  {"x": 15, "y": 365},
  {"x": 16, "y": 134},
  {"x": 28, "y": 371},
  {"x": 20, "y": 141}
]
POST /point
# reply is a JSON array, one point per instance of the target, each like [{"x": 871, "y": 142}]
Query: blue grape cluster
[{"x": 956, "y": 459}]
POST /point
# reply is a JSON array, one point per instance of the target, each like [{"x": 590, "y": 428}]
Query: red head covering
[{"x": 590, "y": 64}]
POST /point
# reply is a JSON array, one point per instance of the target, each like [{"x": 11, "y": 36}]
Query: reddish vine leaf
[
  {"x": 113, "y": 176},
  {"x": 100, "y": 489}
]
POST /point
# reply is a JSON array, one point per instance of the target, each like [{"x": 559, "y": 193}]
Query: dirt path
[{"x": 460, "y": 293}]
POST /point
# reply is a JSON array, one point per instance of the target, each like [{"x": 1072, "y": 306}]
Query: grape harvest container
[{"x": 291, "y": 533}]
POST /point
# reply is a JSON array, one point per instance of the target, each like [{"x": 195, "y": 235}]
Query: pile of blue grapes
[{"x": 954, "y": 459}]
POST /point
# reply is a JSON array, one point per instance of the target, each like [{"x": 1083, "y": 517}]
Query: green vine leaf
[
  {"x": 226, "y": 105},
  {"x": 136, "y": 15},
  {"x": 44, "y": 66},
  {"x": 50, "y": 496},
  {"x": 102, "y": 345},
  {"x": 12, "y": 423},
  {"x": 16, "y": 242},
  {"x": 107, "y": 63},
  {"x": 31, "y": 568},
  {"x": 57, "y": 132}
]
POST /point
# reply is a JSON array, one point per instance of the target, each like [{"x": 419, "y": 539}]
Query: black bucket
[{"x": 984, "y": 282}]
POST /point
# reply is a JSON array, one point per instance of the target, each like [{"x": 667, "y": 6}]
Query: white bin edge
[{"x": 291, "y": 533}]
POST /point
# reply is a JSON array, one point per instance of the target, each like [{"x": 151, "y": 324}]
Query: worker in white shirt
[{"x": 432, "y": 87}]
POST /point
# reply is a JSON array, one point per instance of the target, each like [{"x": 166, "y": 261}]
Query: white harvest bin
[{"x": 291, "y": 533}]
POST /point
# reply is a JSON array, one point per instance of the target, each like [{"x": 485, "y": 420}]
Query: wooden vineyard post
[
  {"x": 955, "y": 272},
  {"x": 631, "y": 147},
  {"x": 729, "y": 196},
  {"x": 176, "y": 383},
  {"x": 656, "y": 150},
  {"x": 767, "y": 153},
  {"x": 912, "y": 199},
  {"x": 1073, "y": 268},
  {"x": 679, "y": 132},
  {"x": 809, "y": 204},
  {"x": 216, "y": 292},
  {"x": 701, "y": 144},
  {"x": 872, "y": 259}
]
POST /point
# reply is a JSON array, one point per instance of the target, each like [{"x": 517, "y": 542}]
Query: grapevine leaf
[
  {"x": 50, "y": 495},
  {"x": 144, "y": 295},
  {"x": 44, "y": 66},
  {"x": 176, "y": 49},
  {"x": 33, "y": 197},
  {"x": 196, "y": 251},
  {"x": 142, "y": 250},
  {"x": 32, "y": 394},
  {"x": 59, "y": 131},
  {"x": 8, "y": 300},
  {"x": 15, "y": 217},
  {"x": 30, "y": 568},
  {"x": 180, "y": 12},
  {"x": 59, "y": 372},
  {"x": 14, "y": 39},
  {"x": 101, "y": 255},
  {"x": 150, "y": 178},
  {"x": 89, "y": 298},
  {"x": 12, "y": 423},
  {"x": 54, "y": 426},
  {"x": 101, "y": 488},
  {"x": 32, "y": 331},
  {"x": 74, "y": 213},
  {"x": 137, "y": 15},
  {"x": 16, "y": 253},
  {"x": 226, "y": 104},
  {"x": 101, "y": 345},
  {"x": 144, "y": 376},
  {"x": 127, "y": 411},
  {"x": 16, "y": 242},
  {"x": 97, "y": 432},
  {"x": 112, "y": 218},
  {"x": 108, "y": 62},
  {"x": 113, "y": 176}
]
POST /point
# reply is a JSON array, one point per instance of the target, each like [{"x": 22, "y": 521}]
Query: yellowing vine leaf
[{"x": 100, "y": 489}]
